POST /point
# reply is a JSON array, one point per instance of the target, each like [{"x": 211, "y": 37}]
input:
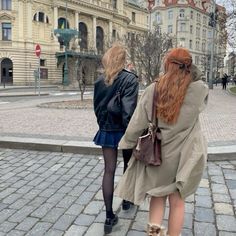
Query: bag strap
[{"x": 154, "y": 105}]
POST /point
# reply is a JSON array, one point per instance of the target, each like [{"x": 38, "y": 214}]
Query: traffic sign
[{"x": 37, "y": 50}]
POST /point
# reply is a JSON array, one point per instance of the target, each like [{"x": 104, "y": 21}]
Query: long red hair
[{"x": 173, "y": 84}]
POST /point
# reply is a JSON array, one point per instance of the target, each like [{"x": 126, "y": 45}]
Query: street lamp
[
  {"x": 212, "y": 23},
  {"x": 66, "y": 35}
]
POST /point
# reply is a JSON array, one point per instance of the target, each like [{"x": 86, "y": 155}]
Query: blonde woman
[
  {"x": 181, "y": 97},
  {"x": 113, "y": 125}
]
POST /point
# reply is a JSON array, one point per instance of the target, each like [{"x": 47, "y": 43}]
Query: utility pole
[{"x": 212, "y": 23}]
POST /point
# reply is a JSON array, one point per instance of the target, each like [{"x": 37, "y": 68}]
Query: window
[
  {"x": 41, "y": 17},
  {"x": 204, "y": 33},
  {"x": 170, "y": 29},
  {"x": 181, "y": 13},
  {"x": 42, "y": 62},
  {"x": 204, "y": 20},
  {"x": 190, "y": 44},
  {"x": 197, "y": 45},
  {"x": 63, "y": 23},
  {"x": 203, "y": 46},
  {"x": 133, "y": 17},
  {"x": 191, "y": 29},
  {"x": 114, "y": 34},
  {"x": 170, "y": 14},
  {"x": 191, "y": 15},
  {"x": 114, "y": 4},
  {"x": 198, "y": 32},
  {"x": 182, "y": 27},
  {"x": 197, "y": 60},
  {"x": 198, "y": 17},
  {"x": 182, "y": 42},
  {"x": 158, "y": 17},
  {"x": 157, "y": 2},
  {"x": 6, "y": 31},
  {"x": 209, "y": 34},
  {"x": 6, "y": 4}
]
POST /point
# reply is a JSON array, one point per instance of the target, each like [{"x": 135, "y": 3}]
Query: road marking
[{"x": 4, "y": 102}]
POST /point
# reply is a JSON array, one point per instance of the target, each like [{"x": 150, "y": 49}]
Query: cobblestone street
[{"x": 46, "y": 193}]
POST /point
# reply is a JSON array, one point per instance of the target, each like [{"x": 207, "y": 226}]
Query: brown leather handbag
[{"x": 148, "y": 148}]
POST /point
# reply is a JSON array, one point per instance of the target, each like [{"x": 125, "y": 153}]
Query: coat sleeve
[
  {"x": 139, "y": 121},
  {"x": 129, "y": 101}
]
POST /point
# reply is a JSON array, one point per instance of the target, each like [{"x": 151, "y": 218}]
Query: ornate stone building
[
  {"x": 188, "y": 22},
  {"x": 25, "y": 23}
]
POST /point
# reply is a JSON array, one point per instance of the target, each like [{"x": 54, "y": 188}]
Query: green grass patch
[{"x": 233, "y": 90}]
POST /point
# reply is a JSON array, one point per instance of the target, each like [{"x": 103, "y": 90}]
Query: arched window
[
  {"x": 83, "y": 32},
  {"x": 63, "y": 23},
  {"x": 41, "y": 17},
  {"x": 99, "y": 39}
]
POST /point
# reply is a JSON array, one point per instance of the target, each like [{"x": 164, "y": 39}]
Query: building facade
[
  {"x": 25, "y": 23},
  {"x": 187, "y": 21}
]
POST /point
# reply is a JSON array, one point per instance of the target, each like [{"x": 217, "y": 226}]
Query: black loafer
[
  {"x": 109, "y": 223},
  {"x": 126, "y": 205}
]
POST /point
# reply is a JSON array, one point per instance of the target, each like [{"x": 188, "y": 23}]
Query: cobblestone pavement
[
  {"x": 46, "y": 193},
  {"x": 24, "y": 119}
]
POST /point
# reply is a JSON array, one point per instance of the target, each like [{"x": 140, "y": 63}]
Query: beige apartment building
[
  {"x": 187, "y": 21},
  {"x": 26, "y": 23}
]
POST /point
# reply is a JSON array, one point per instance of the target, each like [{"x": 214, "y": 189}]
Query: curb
[
  {"x": 23, "y": 94},
  {"x": 217, "y": 153}
]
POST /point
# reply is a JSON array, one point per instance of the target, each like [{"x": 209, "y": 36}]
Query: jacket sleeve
[
  {"x": 129, "y": 101},
  {"x": 139, "y": 121}
]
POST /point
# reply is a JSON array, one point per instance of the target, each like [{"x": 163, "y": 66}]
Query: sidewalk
[{"x": 55, "y": 194}]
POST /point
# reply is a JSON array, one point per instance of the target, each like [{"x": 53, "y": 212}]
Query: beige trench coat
[{"x": 184, "y": 149}]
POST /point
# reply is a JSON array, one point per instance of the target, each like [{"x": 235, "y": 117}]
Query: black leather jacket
[{"x": 127, "y": 83}]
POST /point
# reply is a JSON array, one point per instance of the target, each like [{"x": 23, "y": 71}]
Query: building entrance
[{"x": 6, "y": 71}]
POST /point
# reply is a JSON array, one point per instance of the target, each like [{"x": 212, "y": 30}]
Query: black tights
[{"x": 110, "y": 159}]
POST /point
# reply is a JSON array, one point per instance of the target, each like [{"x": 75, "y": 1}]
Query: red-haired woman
[{"x": 182, "y": 95}]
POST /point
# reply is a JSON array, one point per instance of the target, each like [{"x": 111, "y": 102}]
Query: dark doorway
[
  {"x": 99, "y": 39},
  {"x": 6, "y": 71}
]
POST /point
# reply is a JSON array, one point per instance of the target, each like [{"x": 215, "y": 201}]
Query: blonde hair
[
  {"x": 173, "y": 84},
  {"x": 113, "y": 62}
]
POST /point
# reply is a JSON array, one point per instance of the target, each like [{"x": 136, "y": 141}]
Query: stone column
[
  {"x": 20, "y": 19},
  {"x": 76, "y": 20},
  {"x": 55, "y": 17},
  {"x": 94, "y": 33},
  {"x": 29, "y": 20},
  {"x": 110, "y": 32}
]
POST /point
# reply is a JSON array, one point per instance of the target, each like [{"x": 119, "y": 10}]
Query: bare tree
[
  {"x": 228, "y": 19},
  {"x": 147, "y": 51}
]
